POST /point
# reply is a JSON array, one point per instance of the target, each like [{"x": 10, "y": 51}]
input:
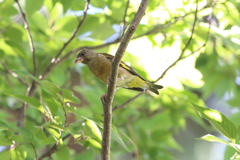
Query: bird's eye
[{"x": 83, "y": 52}]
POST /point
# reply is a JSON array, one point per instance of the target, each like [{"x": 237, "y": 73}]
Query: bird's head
[{"x": 85, "y": 56}]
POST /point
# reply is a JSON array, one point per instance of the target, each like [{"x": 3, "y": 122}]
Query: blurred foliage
[
  {"x": 226, "y": 127},
  {"x": 66, "y": 109}
]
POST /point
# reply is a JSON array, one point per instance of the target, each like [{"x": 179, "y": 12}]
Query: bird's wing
[{"x": 123, "y": 65}]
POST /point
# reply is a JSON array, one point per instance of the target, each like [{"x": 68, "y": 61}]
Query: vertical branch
[
  {"x": 21, "y": 112},
  {"x": 107, "y": 104},
  {"x": 32, "y": 48},
  {"x": 31, "y": 89},
  {"x": 124, "y": 17}
]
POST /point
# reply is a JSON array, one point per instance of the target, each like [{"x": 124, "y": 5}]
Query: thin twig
[
  {"x": 107, "y": 104},
  {"x": 186, "y": 46},
  {"x": 52, "y": 65},
  {"x": 55, "y": 59},
  {"x": 124, "y": 18},
  {"x": 12, "y": 73},
  {"x": 206, "y": 40},
  {"x": 159, "y": 27},
  {"x": 31, "y": 44},
  {"x": 53, "y": 149},
  {"x": 21, "y": 116},
  {"x": 128, "y": 101},
  {"x": 34, "y": 149}
]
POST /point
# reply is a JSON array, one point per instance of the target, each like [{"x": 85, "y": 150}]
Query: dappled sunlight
[
  {"x": 171, "y": 7},
  {"x": 215, "y": 115},
  {"x": 187, "y": 73},
  {"x": 155, "y": 60}
]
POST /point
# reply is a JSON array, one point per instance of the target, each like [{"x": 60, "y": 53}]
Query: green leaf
[
  {"x": 56, "y": 11},
  {"x": 3, "y": 126},
  {"x": 63, "y": 24},
  {"x": 118, "y": 138},
  {"x": 7, "y": 49},
  {"x": 5, "y": 142},
  {"x": 91, "y": 23},
  {"x": 51, "y": 88},
  {"x": 38, "y": 21},
  {"x": 14, "y": 33},
  {"x": 54, "y": 133},
  {"x": 6, "y": 155},
  {"x": 95, "y": 130},
  {"x": 17, "y": 48},
  {"x": 219, "y": 121},
  {"x": 98, "y": 3},
  {"x": 92, "y": 143},
  {"x": 67, "y": 4},
  {"x": 40, "y": 134},
  {"x": 25, "y": 133},
  {"x": 7, "y": 9},
  {"x": 69, "y": 96},
  {"x": 18, "y": 153},
  {"x": 32, "y": 101},
  {"x": 106, "y": 30},
  {"x": 235, "y": 156},
  {"x": 63, "y": 153},
  {"x": 212, "y": 138},
  {"x": 76, "y": 5},
  {"x": 27, "y": 74},
  {"x": 32, "y": 6},
  {"x": 56, "y": 126},
  {"x": 51, "y": 103}
]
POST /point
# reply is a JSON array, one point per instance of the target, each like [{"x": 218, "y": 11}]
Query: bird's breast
[{"x": 101, "y": 69}]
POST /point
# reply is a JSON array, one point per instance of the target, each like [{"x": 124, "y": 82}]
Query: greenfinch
[{"x": 100, "y": 65}]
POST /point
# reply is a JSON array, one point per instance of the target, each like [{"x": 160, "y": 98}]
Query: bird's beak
[{"x": 78, "y": 60}]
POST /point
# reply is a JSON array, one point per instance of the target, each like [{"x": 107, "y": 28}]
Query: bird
[{"x": 100, "y": 65}]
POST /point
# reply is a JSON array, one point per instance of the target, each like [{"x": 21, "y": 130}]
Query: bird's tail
[{"x": 154, "y": 87}]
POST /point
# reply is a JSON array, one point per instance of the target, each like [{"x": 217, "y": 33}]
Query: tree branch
[
  {"x": 107, "y": 104},
  {"x": 55, "y": 59},
  {"x": 128, "y": 101},
  {"x": 186, "y": 46},
  {"x": 206, "y": 40},
  {"x": 21, "y": 116},
  {"x": 53, "y": 149},
  {"x": 26, "y": 26},
  {"x": 159, "y": 27},
  {"x": 34, "y": 149},
  {"x": 12, "y": 73},
  {"x": 31, "y": 89},
  {"x": 124, "y": 17}
]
